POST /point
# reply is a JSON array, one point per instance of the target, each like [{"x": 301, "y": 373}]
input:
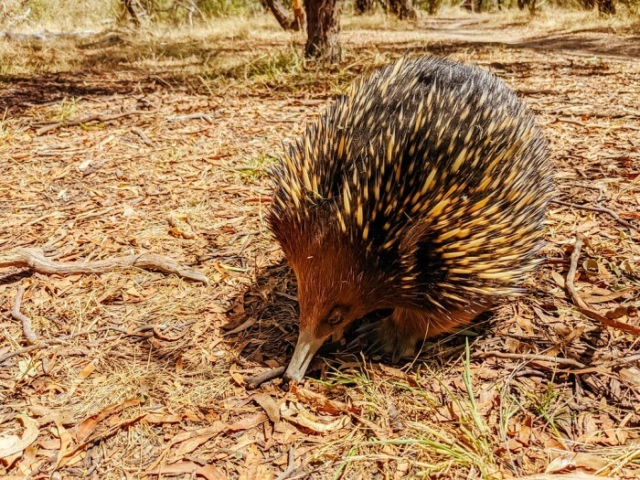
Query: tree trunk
[
  {"x": 403, "y": 9},
  {"x": 607, "y": 7},
  {"x": 363, "y": 6},
  {"x": 285, "y": 20},
  {"x": 323, "y": 29}
]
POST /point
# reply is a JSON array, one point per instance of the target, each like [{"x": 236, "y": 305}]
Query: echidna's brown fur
[{"x": 422, "y": 190}]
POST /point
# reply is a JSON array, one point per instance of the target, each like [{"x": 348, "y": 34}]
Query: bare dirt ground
[{"x": 138, "y": 374}]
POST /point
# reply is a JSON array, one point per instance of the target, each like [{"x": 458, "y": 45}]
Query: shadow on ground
[{"x": 265, "y": 330}]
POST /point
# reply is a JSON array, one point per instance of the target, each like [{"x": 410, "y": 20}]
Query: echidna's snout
[{"x": 307, "y": 346}]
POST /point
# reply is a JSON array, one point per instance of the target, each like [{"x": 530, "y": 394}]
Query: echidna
[{"x": 423, "y": 190}]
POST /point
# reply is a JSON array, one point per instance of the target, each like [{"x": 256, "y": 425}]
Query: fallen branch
[
  {"x": 21, "y": 317},
  {"x": 583, "y": 307},
  {"x": 257, "y": 380},
  {"x": 608, "y": 211},
  {"x": 573, "y": 268},
  {"x": 85, "y": 120},
  {"x": 34, "y": 259}
]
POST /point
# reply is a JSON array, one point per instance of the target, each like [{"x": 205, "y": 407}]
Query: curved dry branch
[
  {"x": 34, "y": 259},
  {"x": 26, "y": 321},
  {"x": 582, "y": 306}
]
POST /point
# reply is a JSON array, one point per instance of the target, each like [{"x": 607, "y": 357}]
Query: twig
[
  {"x": 146, "y": 140},
  {"x": 257, "y": 380},
  {"x": 89, "y": 119},
  {"x": 21, "y": 317},
  {"x": 608, "y": 211},
  {"x": 157, "y": 331},
  {"x": 569, "y": 282},
  {"x": 610, "y": 322},
  {"x": 571, "y": 120},
  {"x": 193, "y": 116},
  {"x": 57, "y": 341},
  {"x": 34, "y": 259},
  {"x": 583, "y": 307},
  {"x": 7, "y": 356},
  {"x": 531, "y": 357},
  {"x": 291, "y": 466}
]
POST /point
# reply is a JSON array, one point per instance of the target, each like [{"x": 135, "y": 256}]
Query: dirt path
[{"x": 138, "y": 373}]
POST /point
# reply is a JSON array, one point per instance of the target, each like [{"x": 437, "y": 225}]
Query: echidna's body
[{"x": 422, "y": 190}]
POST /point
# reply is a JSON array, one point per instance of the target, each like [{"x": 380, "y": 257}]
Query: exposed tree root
[{"x": 34, "y": 259}]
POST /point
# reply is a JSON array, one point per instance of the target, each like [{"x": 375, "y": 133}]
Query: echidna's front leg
[{"x": 400, "y": 332}]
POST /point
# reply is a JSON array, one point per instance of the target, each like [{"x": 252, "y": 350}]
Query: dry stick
[
  {"x": 257, "y": 380},
  {"x": 291, "y": 466},
  {"x": 609, "y": 322},
  {"x": 7, "y": 356},
  {"x": 531, "y": 357},
  {"x": 571, "y": 287},
  {"x": 82, "y": 121},
  {"x": 146, "y": 140},
  {"x": 56, "y": 341},
  {"x": 192, "y": 116},
  {"x": 583, "y": 307},
  {"x": 34, "y": 259},
  {"x": 21, "y": 317},
  {"x": 608, "y": 211}
]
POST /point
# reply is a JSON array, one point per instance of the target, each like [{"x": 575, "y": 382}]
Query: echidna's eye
[{"x": 335, "y": 317}]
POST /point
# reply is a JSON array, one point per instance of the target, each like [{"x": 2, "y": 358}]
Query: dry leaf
[
  {"x": 631, "y": 376},
  {"x": 571, "y": 461},
  {"x": 212, "y": 430},
  {"x": 299, "y": 416},
  {"x": 65, "y": 443},
  {"x": 237, "y": 377},
  {"x": 208, "y": 471},
  {"x": 180, "y": 227},
  {"x": 524, "y": 323},
  {"x": 195, "y": 438},
  {"x": 559, "y": 279},
  {"x": 321, "y": 402},
  {"x": 133, "y": 292},
  {"x": 269, "y": 405},
  {"x": 87, "y": 371},
  {"x": 547, "y": 319},
  {"x": 88, "y": 425},
  {"x": 247, "y": 422},
  {"x": 162, "y": 418},
  {"x": 524, "y": 435},
  {"x": 13, "y": 444},
  {"x": 248, "y": 323}
]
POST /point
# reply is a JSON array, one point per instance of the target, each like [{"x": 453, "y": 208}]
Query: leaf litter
[{"x": 137, "y": 374}]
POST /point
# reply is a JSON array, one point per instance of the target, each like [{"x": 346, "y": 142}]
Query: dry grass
[{"x": 112, "y": 398}]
